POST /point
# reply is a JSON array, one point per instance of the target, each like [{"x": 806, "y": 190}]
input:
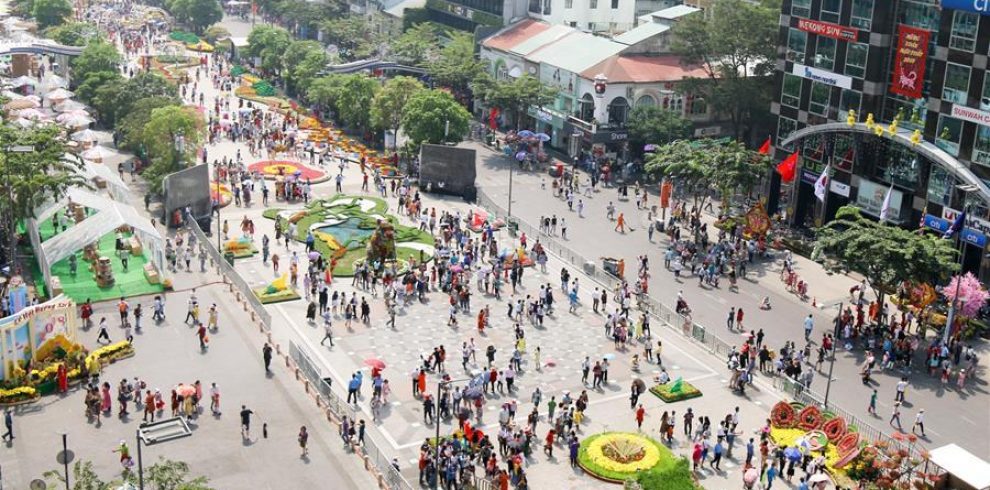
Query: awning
[{"x": 962, "y": 465}]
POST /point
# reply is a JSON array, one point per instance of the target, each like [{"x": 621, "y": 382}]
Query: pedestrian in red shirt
[
  {"x": 548, "y": 444},
  {"x": 640, "y": 415}
]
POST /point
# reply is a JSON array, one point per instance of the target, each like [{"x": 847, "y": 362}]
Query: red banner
[
  {"x": 834, "y": 31},
  {"x": 909, "y": 61}
]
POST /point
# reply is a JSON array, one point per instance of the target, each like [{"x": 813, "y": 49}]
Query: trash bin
[
  {"x": 589, "y": 268},
  {"x": 513, "y": 227},
  {"x": 611, "y": 266},
  {"x": 229, "y": 257}
]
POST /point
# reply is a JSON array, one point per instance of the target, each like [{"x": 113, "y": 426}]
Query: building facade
[{"x": 922, "y": 62}]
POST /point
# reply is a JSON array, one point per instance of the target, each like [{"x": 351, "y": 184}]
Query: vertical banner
[{"x": 909, "y": 61}]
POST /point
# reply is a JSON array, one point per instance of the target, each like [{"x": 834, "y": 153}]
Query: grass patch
[{"x": 686, "y": 392}]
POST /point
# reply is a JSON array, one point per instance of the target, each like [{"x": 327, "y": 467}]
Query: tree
[
  {"x": 303, "y": 60},
  {"x": 456, "y": 66},
  {"x": 354, "y": 100},
  {"x": 518, "y": 95},
  {"x": 131, "y": 125},
  {"x": 326, "y": 90},
  {"x": 73, "y": 33},
  {"x": 165, "y": 474},
  {"x": 972, "y": 294},
  {"x": 93, "y": 82},
  {"x": 269, "y": 44},
  {"x": 351, "y": 34},
  {"x": 656, "y": 125},
  {"x": 434, "y": 116},
  {"x": 197, "y": 14},
  {"x": 703, "y": 164},
  {"x": 215, "y": 33},
  {"x": 416, "y": 45},
  {"x": 885, "y": 255},
  {"x": 98, "y": 55},
  {"x": 51, "y": 12},
  {"x": 389, "y": 105},
  {"x": 735, "y": 42},
  {"x": 159, "y": 137}
]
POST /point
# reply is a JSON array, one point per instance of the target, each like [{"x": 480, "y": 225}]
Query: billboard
[
  {"x": 909, "y": 61},
  {"x": 981, "y": 7},
  {"x": 827, "y": 29}
]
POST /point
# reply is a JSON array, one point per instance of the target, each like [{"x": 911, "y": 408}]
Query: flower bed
[
  {"x": 21, "y": 394},
  {"x": 670, "y": 394},
  {"x": 108, "y": 354},
  {"x": 615, "y": 456},
  {"x": 272, "y": 168},
  {"x": 268, "y": 296}
]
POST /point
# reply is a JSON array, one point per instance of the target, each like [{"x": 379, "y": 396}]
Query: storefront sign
[
  {"x": 840, "y": 188},
  {"x": 938, "y": 224},
  {"x": 981, "y": 7},
  {"x": 870, "y": 197},
  {"x": 909, "y": 61},
  {"x": 606, "y": 136},
  {"x": 822, "y": 76},
  {"x": 827, "y": 29},
  {"x": 809, "y": 176},
  {"x": 973, "y": 237},
  {"x": 972, "y": 115},
  {"x": 978, "y": 224}
]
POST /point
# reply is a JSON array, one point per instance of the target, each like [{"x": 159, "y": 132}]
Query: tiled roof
[{"x": 643, "y": 69}]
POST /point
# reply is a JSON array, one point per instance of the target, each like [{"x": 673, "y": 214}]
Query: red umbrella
[
  {"x": 550, "y": 362},
  {"x": 375, "y": 363}
]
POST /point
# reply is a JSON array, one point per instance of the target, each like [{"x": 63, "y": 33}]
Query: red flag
[
  {"x": 765, "y": 148},
  {"x": 788, "y": 168},
  {"x": 492, "y": 115}
]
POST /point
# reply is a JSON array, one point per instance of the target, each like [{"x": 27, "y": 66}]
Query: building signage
[
  {"x": 938, "y": 224},
  {"x": 974, "y": 230},
  {"x": 870, "y": 197},
  {"x": 973, "y": 237},
  {"x": 827, "y": 29},
  {"x": 909, "y": 61},
  {"x": 822, "y": 76},
  {"x": 981, "y": 7},
  {"x": 839, "y": 188},
  {"x": 708, "y": 132},
  {"x": 972, "y": 115},
  {"x": 809, "y": 176}
]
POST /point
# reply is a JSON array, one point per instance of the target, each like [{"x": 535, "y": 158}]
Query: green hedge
[{"x": 184, "y": 37}]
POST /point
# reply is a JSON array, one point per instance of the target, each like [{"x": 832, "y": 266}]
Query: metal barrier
[
  {"x": 340, "y": 408},
  {"x": 686, "y": 327},
  {"x": 231, "y": 274}
]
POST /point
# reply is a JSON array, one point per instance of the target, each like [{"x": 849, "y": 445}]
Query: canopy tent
[
  {"x": 118, "y": 189},
  {"x": 110, "y": 215},
  {"x": 963, "y": 466}
]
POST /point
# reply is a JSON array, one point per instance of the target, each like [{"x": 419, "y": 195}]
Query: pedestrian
[
  {"x": 640, "y": 415},
  {"x": 896, "y": 415},
  {"x": 103, "y": 333},
  {"x": 266, "y": 354},
  {"x": 327, "y": 330},
  {"x": 809, "y": 324},
  {"x": 8, "y": 423},
  {"x": 919, "y": 422},
  {"x": 214, "y": 399},
  {"x": 203, "y": 338},
  {"x": 303, "y": 439},
  {"x": 872, "y": 409},
  {"x": 246, "y": 422}
]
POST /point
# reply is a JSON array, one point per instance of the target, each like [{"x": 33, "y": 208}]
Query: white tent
[
  {"x": 118, "y": 189},
  {"x": 110, "y": 216},
  {"x": 962, "y": 466}
]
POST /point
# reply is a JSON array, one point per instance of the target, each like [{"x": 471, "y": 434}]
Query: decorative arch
[
  {"x": 902, "y": 137},
  {"x": 646, "y": 100},
  {"x": 618, "y": 110}
]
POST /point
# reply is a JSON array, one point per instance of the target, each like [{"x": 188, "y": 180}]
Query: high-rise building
[{"x": 922, "y": 62}]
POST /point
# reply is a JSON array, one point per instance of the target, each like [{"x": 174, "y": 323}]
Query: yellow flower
[{"x": 650, "y": 458}]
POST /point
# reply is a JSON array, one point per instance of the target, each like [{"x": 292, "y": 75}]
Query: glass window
[
  {"x": 821, "y": 94},
  {"x": 956, "y": 85},
  {"x": 825, "y": 53},
  {"x": 985, "y": 99},
  {"x": 849, "y": 99},
  {"x": 844, "y": 153},
  {"x": 862, "y": 14},
  {"x": 593, "y": 5},
  {"x": 949, "y": 133},
  {"x": 791, "y": 93},
  {"x": 801, "y": 8},
  {"x": 923, "y": 14},
  {"x": 939, "y": 185},
  {"x": 534, "y": 6},
  {"x": 785, "y": 127},
  {"x": 568, "y": 4},
  {"x": 964, "y": 27},
  {"x": 615, "y": 4},
  {"x": 981, "y": 147},
  {"x": 797, "y": 41},
  {"x": 830, "y": 10},
  {"x": 856, "y": 54}
]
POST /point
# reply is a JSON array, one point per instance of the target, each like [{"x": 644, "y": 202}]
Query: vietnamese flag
[
  {"x": 788, "y": 168},
  {"x": 765, "y": 148}
]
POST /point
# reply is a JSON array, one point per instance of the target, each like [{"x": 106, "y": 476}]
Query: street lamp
[
  {"x": 20, "y": 149},
  {"x": 831, "y": 365},
  {"x": 436, "y": 442}
]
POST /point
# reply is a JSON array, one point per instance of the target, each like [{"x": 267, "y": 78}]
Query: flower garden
[
  {"x": 676, "y": 391},
  {"x": 849, "y": 457},
  {"x": 272, "y": 169},
  {"x": 343, "y": 226},
  {"x": 620, "y": 456}
]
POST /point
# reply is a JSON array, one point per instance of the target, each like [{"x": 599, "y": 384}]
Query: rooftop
[
  {"x": 577, "y": 51},
  {"x": 643, "y": 69},
  {"x": 515, "y": 34},
  {"x": 641, "y": 33}
]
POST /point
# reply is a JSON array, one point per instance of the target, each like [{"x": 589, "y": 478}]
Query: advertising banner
[
  {"x": 828, "y": 29},
  {"x": 909, "y": 61},
  {"x": 870, "y": 197}
]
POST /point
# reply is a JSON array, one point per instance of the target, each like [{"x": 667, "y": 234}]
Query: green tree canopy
[
  {"x": 159, "y": 138},
  {"x": 703, "y": 164},
  {"x": 357, "y": 92},
  {"x": 428, "y": 114},
  {"x": 216, "y": 32},
  {"x": 303, "y": 60},
  {"x": 351, "y": 34},
  {"x": 131, "y": 125},
  {"x": 116, "y": 98},
  {"x": 73, "y": 33},
  {"x": 94, "y": 81},
  {"x": 197, "y": 14},
  {"x": 456, "y": 66},
  {"x": 388, "y": 108},
  {"x": 516, "y": 96},
  {"x": 51, "y": 12},
  {"x": 656, "y": 125},
  {"x": 98, "y": 55},
  {"x": 165, "y": 474},
  {"x": 737, "y": 46},
  {"x": 885, "y": 255},
  {"x": 325, "y": 91},
  {"x": 269, "y": 44},
  {"x": 417, "y": 44}
]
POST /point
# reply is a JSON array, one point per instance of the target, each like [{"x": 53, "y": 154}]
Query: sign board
[
  {"x": 809, "y": 176},
  {"x": 708, "y": 132},
  {"x": 827, "y": 29},
  {"x": 822, "y": 76},
  {"x": 870, "y": 197},
  {"x": 839, "y": 188},
  {"x": 972, "y": 115},
  {"x": 938, "y": 224},
  {"x": 909, "y": 61},
  {"x": 981, "y": 7},
  {"x": 978, "y": 224}
]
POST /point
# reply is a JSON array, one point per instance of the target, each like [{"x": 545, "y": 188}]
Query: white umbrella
[
  {"x": 70, "y": 106},
  {"x": 76, "y": 120},
  {"x": 59, "y": 94},
  {"x": 33, "y": 114},
  {"x": 818, "y": 478},
  {"x": 24, "y": 80},
  {"x": 55, "y": 81},
  {"x": 99, "y": 153},
  {"x": 88, "y": 135}
]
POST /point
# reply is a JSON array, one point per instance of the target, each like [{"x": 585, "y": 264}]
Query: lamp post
[
  {"x": 12, "y": 250},
  {"x": 436, "y": 443},
  {"x": 831, "y": 364},
  {"x": 140, "y": 461}
]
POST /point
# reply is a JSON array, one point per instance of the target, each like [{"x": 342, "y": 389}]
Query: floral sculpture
[{"x": 783, "y": 415}]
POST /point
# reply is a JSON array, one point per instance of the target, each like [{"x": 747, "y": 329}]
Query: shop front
[{"x": 551, "y": 123}]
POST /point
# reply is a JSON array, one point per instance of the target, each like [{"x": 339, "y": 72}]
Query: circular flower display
[
  {"x": 810, "y": 418},
  {"x": 272, "y": 168},
  {"x": 225, "y": 194},
  {"x": 616, "y": 455},
  {"x": 783, "y": 415}
]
